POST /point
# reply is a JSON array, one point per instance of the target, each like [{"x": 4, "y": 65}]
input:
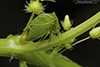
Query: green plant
[{"x": 45, "y": 55}]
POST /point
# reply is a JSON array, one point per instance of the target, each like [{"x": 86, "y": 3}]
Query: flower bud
[
  {"x": 67, "y": 44},
  {"x": 95, "y": 33},
  {"x": 34, "y": 6},
  {"x": 66, "y": 23}
]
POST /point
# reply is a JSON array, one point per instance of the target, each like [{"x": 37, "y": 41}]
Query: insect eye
[{"x": 95, "y": 33}]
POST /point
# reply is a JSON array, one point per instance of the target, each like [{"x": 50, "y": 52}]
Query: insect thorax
[{"x": 41, "y": 25}]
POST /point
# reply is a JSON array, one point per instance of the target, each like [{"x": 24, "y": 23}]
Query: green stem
[
  {"x": 31, "y": 17},
  {"x": 73, "y": 33},
  {"x": 25, "y": 52},
  {"x": 9, "y": 46},
  {"x": 46, "y": 58},
  {"x": 35, "y": 59},
  {"x": 80, "y": 41},
  {"x": 76, "y": 43},
  {"x": 22, "y": 64},
  {"x": 30, "y": 46},
  {"x": 55, "y": 51}
]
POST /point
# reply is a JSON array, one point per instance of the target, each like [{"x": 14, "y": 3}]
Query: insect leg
[
  {"x": 43, "y": 38},
  {"x": 27, "y": 26},
  {"x": 22, "y": 37},
  {"x": 46, "y": 35},
  {"x": 40, "y": 39},
  {"x": 57, "y": 32},
  {"x": 51, "y": 34}
]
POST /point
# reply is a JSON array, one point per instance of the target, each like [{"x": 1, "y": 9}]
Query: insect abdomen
[{"x": 40, "y": 26}]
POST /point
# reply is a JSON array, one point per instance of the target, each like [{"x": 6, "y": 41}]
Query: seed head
[{"x": 34, "y": 6}]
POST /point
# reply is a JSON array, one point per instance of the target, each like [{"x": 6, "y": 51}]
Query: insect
[{"x": 41, "y": 27}]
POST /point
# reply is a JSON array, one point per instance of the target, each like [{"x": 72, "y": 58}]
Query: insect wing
[{"x": 40, "y": 26}]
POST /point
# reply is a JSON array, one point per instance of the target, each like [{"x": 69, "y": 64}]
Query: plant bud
[
  {"x": 95, "y": 33},
  {"x": 66, "y": 23},
  {"x": 34, "y": 6}
]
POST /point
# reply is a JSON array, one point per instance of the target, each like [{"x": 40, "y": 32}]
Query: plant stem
[
  {"x": 37, "y": 59},
  {"x": 55, "y": 51},
  {"x": 31, "y": 17},
  {"x": 11, "y": 46},
  {"x": 80, "y": 41},
  {"x": 76, "y": 43},
  {"x": 78, "y": 30},
  {"x": 22, "y": 64},
  {"x": 30, "y": 46},
  {"x": 46, "y": 58}
]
